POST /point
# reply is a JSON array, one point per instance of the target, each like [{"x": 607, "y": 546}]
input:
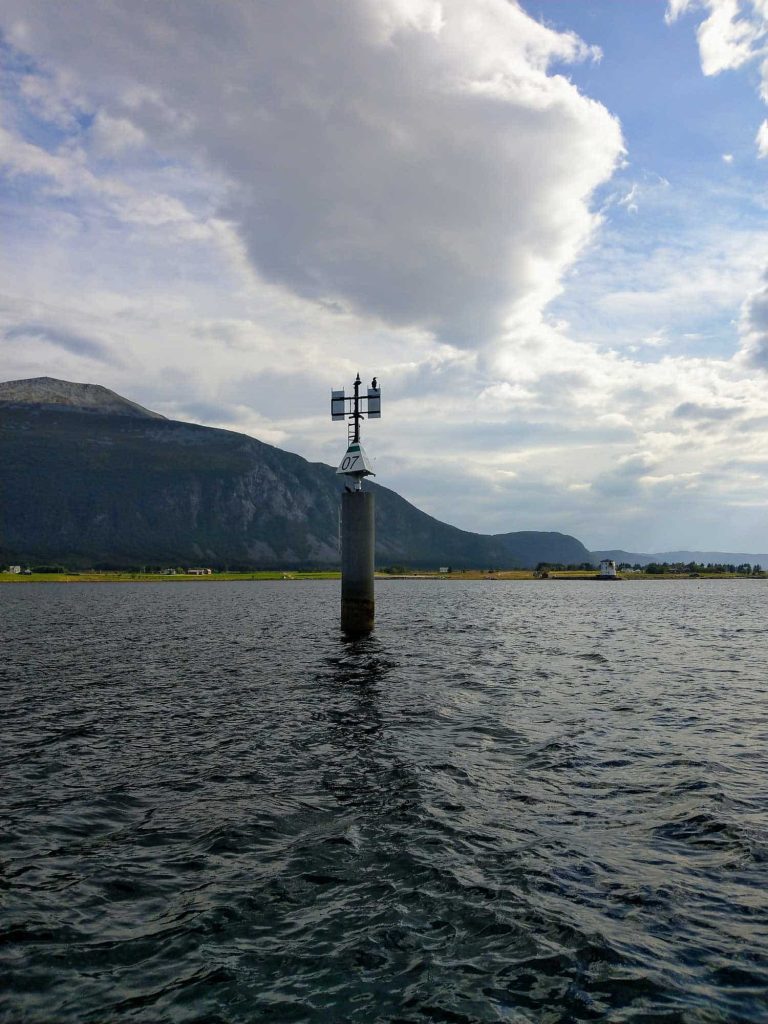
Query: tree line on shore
[
  {"x": 665, "y": 568},
  {"x": 697, "y": 568}
]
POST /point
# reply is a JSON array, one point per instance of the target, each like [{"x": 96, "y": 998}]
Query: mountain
[
  {"x": 705, "y": 557},
  {"x": 49, "y": 393},
  {"x": 91, "y": 478}
]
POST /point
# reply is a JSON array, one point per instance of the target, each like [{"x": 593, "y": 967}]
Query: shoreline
[{"x": 520, "y": 575}]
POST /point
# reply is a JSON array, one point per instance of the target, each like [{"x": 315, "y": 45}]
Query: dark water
[{"x": 516, "y": 802}]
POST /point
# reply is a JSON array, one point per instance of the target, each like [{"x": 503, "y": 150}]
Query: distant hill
[
  {"x": 91, "y": 478},
  {"x": 721, "y": 557}
]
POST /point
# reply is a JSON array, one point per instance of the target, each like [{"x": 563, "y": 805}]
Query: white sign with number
[{"x": 355, "y": 462}]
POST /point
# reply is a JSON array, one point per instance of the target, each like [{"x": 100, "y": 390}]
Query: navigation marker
[{"x": 357, "y": 510}]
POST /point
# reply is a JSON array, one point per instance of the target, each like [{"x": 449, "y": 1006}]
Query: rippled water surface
[{"x": 538, "y": 801}]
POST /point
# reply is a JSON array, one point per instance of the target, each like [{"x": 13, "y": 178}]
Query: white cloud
[
  {"x": 676, "y": 8},
  {"x": 726, "y": 40},
  {"x": 729, "y": 36},
  {"x": 395, "y": 186},
  {"x": 112, "y": 136},
  {"x": 754, "y": 325},
  {"x": 733, "y": 33},
  {"x": 762, "y": 139},
  {"x": 395, "y": 156},
  {"x": 52, "y": 97},
  {"x": 629, "y": 200}
]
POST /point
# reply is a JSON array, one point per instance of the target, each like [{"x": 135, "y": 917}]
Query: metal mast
[{"x": 357, "y": 511}]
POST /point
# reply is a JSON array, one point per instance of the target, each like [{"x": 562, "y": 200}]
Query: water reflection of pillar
[{"x": 360, "y": 772}]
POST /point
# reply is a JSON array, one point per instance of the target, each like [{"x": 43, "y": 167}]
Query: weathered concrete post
[
  {"x": 357, "y": 546},
  {"x": 357, "y": 511}
]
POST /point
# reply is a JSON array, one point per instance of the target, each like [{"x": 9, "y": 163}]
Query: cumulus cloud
[
  {"x": 395, "y": 156},
  {"x": 754, "y": 324},
  {"x": 68, "y": 174},
  {"x": 733, "y": 33},
  {"x": 676, "y": 8},
  {"x": 727, "y": 41}
]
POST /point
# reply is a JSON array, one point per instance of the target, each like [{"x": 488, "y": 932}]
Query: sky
[{"x": 542, "y": 226}]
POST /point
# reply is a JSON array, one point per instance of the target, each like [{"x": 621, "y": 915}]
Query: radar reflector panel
[
  {"x": 338, "y": 411},
  {"x": 374, "y": 403}
]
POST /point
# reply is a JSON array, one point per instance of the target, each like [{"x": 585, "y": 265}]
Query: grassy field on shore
[{"x": 87, "y": 576}]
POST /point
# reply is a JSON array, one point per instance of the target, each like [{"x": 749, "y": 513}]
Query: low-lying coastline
[{"x": 86, "y": 576}]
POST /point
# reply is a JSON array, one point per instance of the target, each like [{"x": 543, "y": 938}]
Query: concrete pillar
[{"x": 357, "y": 542}]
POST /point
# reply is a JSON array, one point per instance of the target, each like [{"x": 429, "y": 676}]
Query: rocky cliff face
[{"x": 89, "y": 478}]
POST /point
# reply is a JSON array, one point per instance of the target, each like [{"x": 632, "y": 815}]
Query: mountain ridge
[
  {"x": 49, "y": 392},
  {"x": 90, "y": 477}
]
